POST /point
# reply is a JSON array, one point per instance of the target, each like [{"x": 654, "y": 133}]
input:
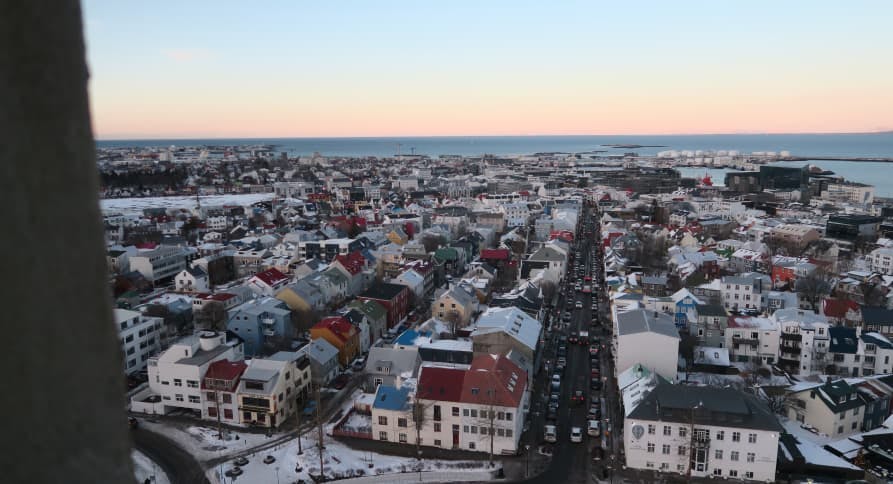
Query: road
[
  {"x": 179, "y": 465},
  {"x": 571, "y": 461}
]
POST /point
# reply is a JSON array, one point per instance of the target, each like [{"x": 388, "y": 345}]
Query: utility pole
[
  {"x": 319, "y": 433},
  {"x": 219, "y": 411},
  {"x": 298, "y": 413}
]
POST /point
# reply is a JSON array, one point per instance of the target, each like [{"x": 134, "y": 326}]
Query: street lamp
[
  {"x": 420, "y": 465},
  {"x": 277, "y": 474},
  {"x": 527, "y": 461}
]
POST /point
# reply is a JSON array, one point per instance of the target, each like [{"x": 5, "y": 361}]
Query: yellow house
[{"x": 398, "y": 236}]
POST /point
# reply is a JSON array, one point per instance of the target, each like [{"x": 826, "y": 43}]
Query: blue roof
[
  {"x": 409, "y": 336},
  {"x": 843, "y": 340},
  {"x": 391, "y": 398},
  {"x": 877, "y": 340}
]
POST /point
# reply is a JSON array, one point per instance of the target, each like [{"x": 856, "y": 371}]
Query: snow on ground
[
  {"x": 136, "y": 205},
  {"x": 358, "y": 422},
  {"x": 144, "y": 468},
  {"x": 202, "y": 442},
  {"x": 339, "y": 460}
]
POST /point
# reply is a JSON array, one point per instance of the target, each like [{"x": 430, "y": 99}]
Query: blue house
[
  {"x": 686, "y": 307},
  {"x": 260, "y": 321}
]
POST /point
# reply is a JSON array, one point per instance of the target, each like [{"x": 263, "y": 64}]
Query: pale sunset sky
[{"x": 195, "y": 68}]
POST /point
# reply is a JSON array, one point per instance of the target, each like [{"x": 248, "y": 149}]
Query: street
[{"x": 180, "y": 466}]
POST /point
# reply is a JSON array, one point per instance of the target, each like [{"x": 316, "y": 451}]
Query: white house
[
  {"x": 161, "y": 263},
  {"x": 752, "y": 339},
  {"x": 176, "y": 375},
  {"x": 804, "y": 341},
  {"x": 140, "y": 338},
  {"x": 711, "y": 432},
  {"x": 881, "y": 260},
  {"x": 745, "y": 291},
  {"x": 268, "y": 282},
  {"x": 648, "y": 338},
  {"x": 192, "y": 279},
  {"x": 270, "y": 387},
  {"x": 833, "y": 408}
]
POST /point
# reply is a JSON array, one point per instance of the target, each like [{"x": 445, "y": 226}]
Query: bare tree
[
  {"x": 453, "y": 322},
  {"x": 419, "y": 418},
  {"x": 872, "y": 294},
  {"x": 302, "y": 319},
  {"x": 211, "y": 316},
  {"x": 814, "y": 287},
  {"x": 548, "y": 288},
  {"x": 487, "y": 418}
]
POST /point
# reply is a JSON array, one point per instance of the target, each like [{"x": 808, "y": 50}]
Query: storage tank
[{"x": 208, "y": 340}]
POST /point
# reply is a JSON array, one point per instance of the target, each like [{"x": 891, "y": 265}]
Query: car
[
  {"x": 578, "y": 397},
  {"x": 340, "y": 381},
  {"x": 562, "y": 339},
  {"x": 358, "y": 364},
  {"x": 562, "y": 351},
  {"x": 579, "y": 305},
  {"x": 309, "y": 409},
  {"x": 574, "y": 338},
  {"x": 576, "y": 435},
  {"x": 566, "y": 317},
  {"x": 133, "y": 422},
  {"x": 593, "y": 349},
  {"x": 593, "y": 428},
  {"x": 562, "y": 361},
  {"x": 554, "y": 397},
  {"x": 552, "y": 414},
  {"x": 269, "y": 459},
  {"x": 595, "y": 384},
  {"x": 235, "y": 471},
  {"x": 594, "y": 412},
  {"x": 551, "y": 433},
  {"x": 556, "y": 378},
  {"x": 241, "y": 461}
]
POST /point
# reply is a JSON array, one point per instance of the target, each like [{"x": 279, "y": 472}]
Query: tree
[
  {"x": 303, "y": 319},
  {"x": 687, "y": 344},
  {"x": 419, "y": 417},
  {"x": 453, "y": 322},
  {"x": 211, "y": 316},
  {"x": 872, "y": 294},
  {"x": 548, "y": 289},
  {"x": 487, "y": 417},
  {"x": 814, "y": 287},
  {"x": 432, "y": 242}
]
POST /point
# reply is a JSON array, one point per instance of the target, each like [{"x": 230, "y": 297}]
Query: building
[
  {"x": 268, "y": 282},
  {"x": 219, "y": 386},
  {"x": 458, "y": 303},
  {"x": 344, "y": 336},
  {"x": 648, "y": 338},
  {"x": 745, "y": 291},
  {"x": 805, "y": 341},
  {"x": 852, "y": 227},
  {"x": 393, "y": 297},
  {"x": 376, "y": 315},
  {"x": 880, "y": 260},
  {"x": 324, "y": 364},
  {"x": 391, "y": 366},
  {"x": 833, "y": 408},
  {"x": 140, "y": 338},
  {"x": 269, "y": 388},
  {"x": 327, "y": 250},
  {"x": 704, "y": 432},
  {"x": 176, "y": 374},
  {"x": 160, "y": 264},
  {"x": 500, "y": 331},
  {"x": 192, "y": 279},
  {"x": 261, "y": 321},
  {"x": 752, "y": 340},
  {"x": 794, "y": 236}
]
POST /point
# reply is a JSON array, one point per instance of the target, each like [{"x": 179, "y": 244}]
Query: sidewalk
[{"x": 433, "y": 476}]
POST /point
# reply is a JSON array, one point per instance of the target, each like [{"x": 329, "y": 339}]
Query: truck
[{"x": 583, "y": 337}]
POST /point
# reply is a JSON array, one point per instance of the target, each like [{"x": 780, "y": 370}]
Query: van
[{"x": 551, "y": 433}]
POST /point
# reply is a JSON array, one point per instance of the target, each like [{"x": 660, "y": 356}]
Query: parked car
[
  {"x": 358, "y": 364},
  {"x": 576, "y": 435},
  {"x": 241, "y": 461},
  {"x": 340, "y": 381},
  {"x": 551, "y": 433},
  {"x": 594, "y": 428}
]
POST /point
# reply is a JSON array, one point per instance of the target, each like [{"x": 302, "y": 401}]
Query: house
[
  {"x": 684, "y": 307},
  {"x": 390, "y": 366},
  {"x": 260, "y": 322},
  {"x": 353, "y": 267},
  {"x": 842, "y": 311},
  {"x": 634, "y": 384},
  {"x": 393, "y": 297},
  {"x": 192, "y": 279},
  {"x": 268, "y": 282},
  {"x": 880, "y": 260},
  {"x": 376, "y": 315},
  {"x": 249, "y": 261},
  {"x": 655, "y": 286},
  {"x": 794, "y": 236},
  {"x": 265, "y": 392},
  {"x": 324, "y": 364},
  {"x": 549, "y": 260},
  {"x": 745, "y": 291},
  {"x": 459, "y": 302},
  {"x": 449, "y": 351},
  {"x": 175, "y": 375},
  {"x": 415, "y": 282},
  {"x": 702, "y": 432},
  {"x": 710, "y": 325},
  {"x": 303, "y": 298},
  {"x": 527, "y": 297},
  {"x": 877, "y": 319},
  {"x": 804, "y": 341},
  {"x": 752, "y": 339},
  {"x": 648, "y": 338},
  {"x": 140, "y": 338},
  {"x": 338, "y": 331},
  {"x": 853, "y": 353},
  {"x": 463, "y": 406},
  {"x": 499, "y": 331},
  {"x": 392, "y": 415},
  {"x": 160, "y": 264},
  {"x": 219, "y": 385},
  {"x": 832, "y": 408},
  {"x": 364, "y": 333}
]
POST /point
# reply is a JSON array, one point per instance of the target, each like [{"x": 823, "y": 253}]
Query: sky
[{"x": 186, "y": 69}]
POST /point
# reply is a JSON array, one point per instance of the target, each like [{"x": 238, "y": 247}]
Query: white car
[
  {"x": 594, "y": 429},
  {"x": 579, "y": 305},
  {"x": 551, "y": 433},
  {"x": 576, "y": 435}
]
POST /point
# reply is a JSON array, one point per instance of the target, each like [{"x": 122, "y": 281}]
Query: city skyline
[{"x": 402, "y": 69}]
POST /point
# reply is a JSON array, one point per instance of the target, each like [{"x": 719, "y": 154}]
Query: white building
[
  {"x": 752, "y": 339},
  {"x": 804, "y": 341},
  {"x": 648, "y": 338},
  {"x": 745, "y": 291},
  {"x": 192, "y": 279},
  {"x": 140, "y": 338},
  {"x": 270, "y": 388},
  {"x": 833, "y": 408},
  {"x": 160, "y": 263},
  {"x": 176, "y": 375},
  {"x": 881, "y": 260},
  {"x": 713, "y": 432},
  {"x": 516, "y": 213}
]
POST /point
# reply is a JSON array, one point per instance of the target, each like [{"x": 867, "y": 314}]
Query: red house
[{"x": 394, "y": 298}]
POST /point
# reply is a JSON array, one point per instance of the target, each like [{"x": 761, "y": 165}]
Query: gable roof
[
  {"x": 495, "y": 254},
  {"x": 397, "y": 360},
  {"x": 384, "y": 291},
  {"x": 353, "y": 262},
  {"x": 391, "y": 398},
  {"x": 494, "y": 380},
  {"x": 337, "y": 325},
  {"x": 511, "y": 320},
  {"x": 843, "y": 340},
  {"x": 321, "y": 351},
  {"x": 837, "y": 308},
  {"x": 643, "y": 321},
  {"x": 371, "y": 309},
  {"x": 225, "y": 370},
  {"x": 443, "y": 384},
  {"x": 272, "y": 277}
]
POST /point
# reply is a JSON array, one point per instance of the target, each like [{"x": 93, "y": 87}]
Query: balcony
[
  {"x": 268, "y": 321},
  {"x": 792, "y": 350},
  {"x": 269, "y": 332},
  {"x": 254, "y": 408},
  {"x": 791, "y": 337},
  {"x": 788, "y": 362}
]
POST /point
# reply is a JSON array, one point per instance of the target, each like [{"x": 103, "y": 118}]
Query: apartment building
[{"x": 140, "y": 338}]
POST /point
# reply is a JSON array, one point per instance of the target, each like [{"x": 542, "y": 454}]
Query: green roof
[
  {"x": 446, "y": 253},
  {"x": 371, "y": 309}
]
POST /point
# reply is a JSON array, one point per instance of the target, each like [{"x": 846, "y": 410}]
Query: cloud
[{"x": 186, "y": 55}]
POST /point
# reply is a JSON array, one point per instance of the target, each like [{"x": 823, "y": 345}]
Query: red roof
[
  {"x": 338, "y": 325},
  {"x": 220, "y": 296},
  {"x": 837, "y": 308},
  {"x": 495, "y": 254},
  {"x": 443, "y": 384},
  {"x": 271, "y": 277},
  {"x": 494, "y": 380},
  {"x": 420, "y": 266},
  {"x": 352, "y": 262},
  {"x": 225, "y": 370}
]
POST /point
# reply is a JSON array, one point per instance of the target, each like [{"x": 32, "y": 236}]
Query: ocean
[{"x": 802, "y": 145}]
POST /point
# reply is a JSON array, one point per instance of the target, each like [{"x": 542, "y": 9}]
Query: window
[
  {"x": 717, "y": 471},
  {"x": 402, "y": 438},
  {"x": 474, "y": 413},
  {"x": 191, "y": 383},
  {"x": 455, "y": 411},
  {"x": 683, "y": 431},
  {"x": 733, "y": 455},
  {"x": 733, "y": 473},
  {"x": 212, "y": 411},
  {"x": 437, "y": 412},
  {"x": 718, "y": 454},
  {"x": 471, "y": 445},
  {"x": 227, "y": 413},
  {"x": 474, "y": 429},
  {"x": 649, "y": 465},
  {"x": 178, "y": 382},
  {"x": 843, "y": 415},
  {"x": 720, "y": 434},
  {"x": 667, "y": 430},
  {"x": 736, "y": 436},
  {"x": 748, "y": 475},
  {"x": 382, "y": 436},
  {"x": 751, "y": 438},
  {"x": 840, "y": 429},
  {"x": 853, "y": 427},
  {"x": 664, "y": 466},
  {"x": 680, "y": 467},
  {"x": 651, "y": 429},
  {"x": 437, "y": 426},
  {"x": 178, "y": 397},
  {"x": 227, "y": 398},
  {"x": 856, "y": 411},
  {"x": 465, "y": 429},
  {"x": 500, "y": 416},
  {"x": 683, "y": 450},
  {"x": 665, "y": 449},
  {"x": 464, "y": 412},
  {"x": 500, "y": 432},
  {"x": 509, "y": 433},
  {"x": 194, "y": 399},
  {"x": 751, "y": 457},
  {"x": 651, "y": 447},
  {"x": 508, "y": 416},
  {"x": 382, "y": 420},
  {"x": 437, "y": 443}
]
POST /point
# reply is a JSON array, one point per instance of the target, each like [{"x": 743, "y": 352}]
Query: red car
[
  {"x": 578, "y": 397},
  {"x": 340, "y": 382}
]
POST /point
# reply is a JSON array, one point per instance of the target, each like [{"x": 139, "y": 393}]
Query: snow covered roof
[{"x": 513, "y": 321}]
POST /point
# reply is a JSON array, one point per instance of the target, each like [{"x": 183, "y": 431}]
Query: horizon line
[{"x": 740, "y": 133}]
